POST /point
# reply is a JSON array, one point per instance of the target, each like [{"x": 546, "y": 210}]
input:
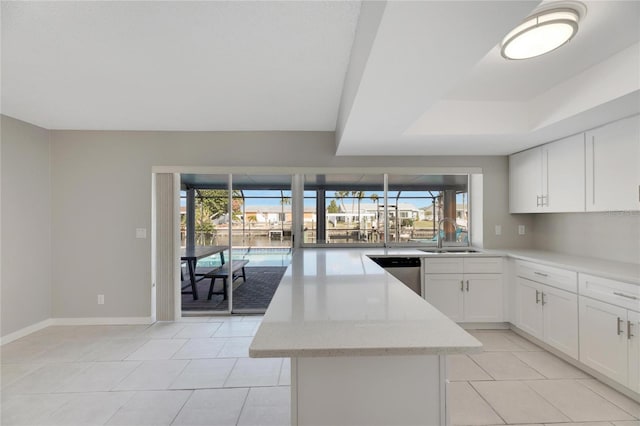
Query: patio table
[{"x": 191, "y": 255}]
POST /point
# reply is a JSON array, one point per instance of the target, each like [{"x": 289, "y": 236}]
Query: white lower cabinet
[
  {"x": 446, "y": 293},
  {"x": 529, "y": 309},
  {"x": 483, "y": 300},
  {"x": 466, "y": 297},
  {"x": 560, "y": 314},
  {"x": 548, "y": 314},
  {"x": 547, "y": 305},
  {"x": 610, "y": 328},
  {"x": 633, "y": 337},
  {"x": 603, "y": 341},
  {"x": 592, "y": 319}
]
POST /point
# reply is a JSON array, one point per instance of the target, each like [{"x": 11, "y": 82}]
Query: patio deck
[{"x": 255, "y": 294}]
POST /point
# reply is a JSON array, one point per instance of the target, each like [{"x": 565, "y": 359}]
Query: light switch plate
[
  {"x": 498, "y": 229},
  {"x": 141, "y": 232},
  {"x": 521, "y": 230}
]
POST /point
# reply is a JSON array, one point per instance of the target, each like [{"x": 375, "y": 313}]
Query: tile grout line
[
  {"x": 607, "y": 399},
  {"x": 487, "y": 402},
  {"x": 244, "y": 403},
  {"x": 480, "y": 367},
  {"x": 545, "y": 377},
  {"x": 551, "y": 402},
  {"x": 179, "y": 374},
  {"x": 192, "y": 392},
  {"x": 224, "y": 382}
]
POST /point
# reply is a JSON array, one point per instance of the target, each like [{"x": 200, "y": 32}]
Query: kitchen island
[{"x": 364, "y": 348}]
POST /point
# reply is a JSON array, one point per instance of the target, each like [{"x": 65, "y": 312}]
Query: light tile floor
[{"x": 197, "y": 372}]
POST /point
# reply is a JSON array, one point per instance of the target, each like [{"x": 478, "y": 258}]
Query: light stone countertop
[
  {"x": 338, "y": 302},
  {"x": 621, "y": 271},
  {"x": 343, "y": 303}
]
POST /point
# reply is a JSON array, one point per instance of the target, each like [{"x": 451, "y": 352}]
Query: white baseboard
[
  {"x": 102, "y": 321},
  {"x": 25, "y": 331},
  {"x": 74, "y": 321},
  {"x": 484, "y": 325}
]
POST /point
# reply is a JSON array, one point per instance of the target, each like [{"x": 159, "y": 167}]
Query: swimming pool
[{"x": 257, "y": 256}]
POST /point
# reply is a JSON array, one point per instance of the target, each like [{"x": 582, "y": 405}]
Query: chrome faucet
[{"x": 440, "y": 222}]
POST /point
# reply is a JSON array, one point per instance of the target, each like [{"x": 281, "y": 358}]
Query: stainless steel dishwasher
[{"x": 406, "y": 269}]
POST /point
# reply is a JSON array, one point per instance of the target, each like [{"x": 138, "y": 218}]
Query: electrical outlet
[
  {"x": 141, "y": 232},
  {"x": 521, "y": 230},
  {"x": 101, "y": 299},
  {"x": 498, "y": 229}
]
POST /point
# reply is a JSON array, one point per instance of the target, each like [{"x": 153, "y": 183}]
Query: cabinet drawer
[
  {"x": 554, "y": 277},
  {"x": 611, "y": 291},
  {"x": 445, "y": 265},
  {"x": 482, "y": 265}
]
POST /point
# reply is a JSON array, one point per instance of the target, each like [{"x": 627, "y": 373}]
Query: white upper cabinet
[
  {"x": 525, "y": 181},
  {"x": 564, "y": 177},
  {"x": 613, "y": 166},
  {"x": 549, "y": 178}
]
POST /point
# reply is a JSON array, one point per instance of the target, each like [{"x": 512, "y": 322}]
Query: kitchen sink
[{"x": 449, "y": 251}]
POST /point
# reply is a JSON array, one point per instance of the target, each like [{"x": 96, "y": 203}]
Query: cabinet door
[
  {"x": 529, "y": 300},
  {"x": 613, "y": 166},
  {"x": 560, "y": 316},
  {"x": 563, "y": 182},
  {"x": 603, "y": 340},
  {"x": 633, "y": 338},
  {"x": 483, "y": 298},
  {"x": 525, "y": 181},
  {"x": 445, "y": 293}
]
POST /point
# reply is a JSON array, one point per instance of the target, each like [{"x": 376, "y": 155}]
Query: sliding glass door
[
  {"x": 236, "y": 234},
  {"x": 205, "y": 212}
]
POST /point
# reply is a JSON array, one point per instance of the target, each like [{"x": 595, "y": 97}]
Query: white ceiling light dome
[{"x": 543, "y": 32}]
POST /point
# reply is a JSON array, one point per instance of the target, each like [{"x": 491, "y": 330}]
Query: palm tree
[
  {"x": 340, "y": 195},
  {"x": 375, "y": 197},
  {"x": 284, "y": 201},
  {"x": 359, "y": 195}
]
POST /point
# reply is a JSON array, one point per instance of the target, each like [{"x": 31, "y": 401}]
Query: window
[
  {"x": 350, "y": 209},
  {"x": 342, "y": 209},
  {"x": 417, "y": 203}
]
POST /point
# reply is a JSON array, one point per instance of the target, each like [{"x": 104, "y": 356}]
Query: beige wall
[
  {"x": 95, "y": 188},
  {"x": 612, "y": 235},
  {"x": 102, "y": 192},
  {"x": 26, "y": 225}
]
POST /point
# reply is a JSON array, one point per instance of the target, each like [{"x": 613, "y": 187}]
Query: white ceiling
[
  {"x": 411, "y": 77},
  {"x": 155, "y": 65}
]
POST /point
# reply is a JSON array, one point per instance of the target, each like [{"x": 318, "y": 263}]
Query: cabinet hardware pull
[
  {"x": 537, "y": 297},
  {"x": 537, "y": 201},
  {"x": 467, "y": 286},
  {"x": 461, "y": 285},
  {"x": 629, "y": 335},
  {"x": 541, "y": 274},
  {"x": 625, "y": 295},
  {"x": 543, "y": 302},
  {"x": 619, "y": 327}
]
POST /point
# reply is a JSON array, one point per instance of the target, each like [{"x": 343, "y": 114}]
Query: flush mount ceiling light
[{"x": 541, "y": 33}]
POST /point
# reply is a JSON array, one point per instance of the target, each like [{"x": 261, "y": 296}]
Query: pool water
[{"x": 261, "y": 256}]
